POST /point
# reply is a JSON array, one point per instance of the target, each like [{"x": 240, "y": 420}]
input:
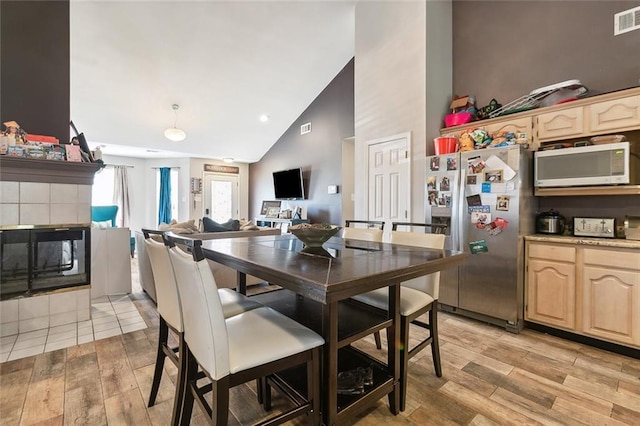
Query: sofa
[{"x": 224, "y": 276}]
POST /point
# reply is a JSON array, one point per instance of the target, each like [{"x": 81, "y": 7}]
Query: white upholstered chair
[
  {"x": 170, "y": 312},
  {"x": 365, "y": 230},
  {"x": 232, "y": 351},
  {"x": 417, "y": 297}
]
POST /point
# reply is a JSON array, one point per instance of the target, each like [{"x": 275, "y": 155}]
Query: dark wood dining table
[{"x": 321, "y": 282}]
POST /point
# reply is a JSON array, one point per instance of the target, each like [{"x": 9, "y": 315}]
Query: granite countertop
[{"x": 569, "y": 239}]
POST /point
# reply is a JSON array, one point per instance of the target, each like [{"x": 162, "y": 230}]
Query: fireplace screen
[{"x": 36, "y": 260}]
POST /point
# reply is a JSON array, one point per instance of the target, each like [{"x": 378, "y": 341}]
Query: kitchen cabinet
[
  {"x": 587, "y": 286},
  {"x": 567, "y": 123},
  {"x": 615, "y": 116},
  {"x": 551, "y": 285},
  {"x": 611, "y": 295}
]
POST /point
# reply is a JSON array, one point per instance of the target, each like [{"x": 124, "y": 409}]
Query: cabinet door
[
  {"x": 565, "y": 124},
  {"x": 615, "y": 115},
  {"x": 611, "y": 302},
  {"x": 518, "y": 126},
  {"x": 551, "y": 293}
]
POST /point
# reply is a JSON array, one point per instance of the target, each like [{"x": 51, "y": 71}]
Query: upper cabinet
[
  {"x": 615, "y": 115},
  {"x": 568, "y": 123}
]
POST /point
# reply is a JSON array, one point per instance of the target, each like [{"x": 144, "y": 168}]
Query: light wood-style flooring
[{"x": 490, "y": 377}]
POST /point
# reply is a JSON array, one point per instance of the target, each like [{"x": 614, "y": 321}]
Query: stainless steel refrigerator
[{"x": 486, "y": 199}]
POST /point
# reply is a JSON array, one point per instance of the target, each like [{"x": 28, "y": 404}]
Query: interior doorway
[
  {"x": 221, "y": 196},
  {"x": 388, "y": 182}
]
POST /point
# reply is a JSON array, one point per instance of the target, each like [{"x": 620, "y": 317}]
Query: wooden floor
[{"x": 490, "y": 376}]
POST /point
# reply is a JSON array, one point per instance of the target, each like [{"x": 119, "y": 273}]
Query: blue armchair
[{"x": 102, "y": 213}]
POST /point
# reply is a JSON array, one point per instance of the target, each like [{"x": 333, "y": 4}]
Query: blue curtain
[{"x": 164, "y": 209}]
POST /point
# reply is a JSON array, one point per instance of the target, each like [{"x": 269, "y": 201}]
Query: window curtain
[
  {"x": 164, "y": 207},
  {"x": 121, "y": 195}
]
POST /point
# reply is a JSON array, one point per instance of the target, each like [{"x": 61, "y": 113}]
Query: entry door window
[{"x": 221, "y": 197}]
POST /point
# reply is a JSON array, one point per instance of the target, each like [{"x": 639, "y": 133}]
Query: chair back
[
  {"x": 434, "y": 228},
  {"x": 205, "y": 330},
  {"x": 429, "y": 284},
  {"x": 103, "y": 213},
  {"x": 366, "y": 231},
  {"x": 166, "y": 289}
]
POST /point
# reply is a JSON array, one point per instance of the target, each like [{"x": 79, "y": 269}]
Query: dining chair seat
[{"x": 411, "y": 300}]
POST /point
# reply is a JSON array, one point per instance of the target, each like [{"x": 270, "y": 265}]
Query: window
[{"x": 102, "y": 190}]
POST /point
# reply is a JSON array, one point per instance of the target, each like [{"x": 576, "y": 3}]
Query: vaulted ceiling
[{"x": 225, "y": 63}]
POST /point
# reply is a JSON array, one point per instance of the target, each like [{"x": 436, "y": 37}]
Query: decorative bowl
[{"x": 314, "y": 235}]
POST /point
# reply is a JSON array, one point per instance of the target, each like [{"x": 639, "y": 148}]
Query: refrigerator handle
[{"x": 461, "y": 210}]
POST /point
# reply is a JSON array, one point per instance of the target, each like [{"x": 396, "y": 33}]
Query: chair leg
[
  {"x": 163, "y": 337},
  {"x": 181, "y": 383},
  {"x": 404, "y": 360},
  {"x": 376, "y": 336},
  {"x": 259, "y": 389},
  {"x": 191, "y": 373},
  {"x": 266, "y": 394},
  {"x": 220, "y": 402},
  {"x": 435, "y": 345}
]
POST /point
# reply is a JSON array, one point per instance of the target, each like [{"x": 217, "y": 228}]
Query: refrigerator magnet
[
  {"x": 481, "y": 209},
  {"x": 492, "y": 175},
  {"x": 486, "y": 187},
  {"x": 479, "y": 246},
  {"x": 431, "y": 183},
  {"x": 472, "y": 179},
  {"x": 475, "y": 165},
  {"x": 445, "y": 184},
  {"x": 452, "y": 163},
  {"x": 502, "y": 203},
  {"x": 474, "y": 200},
  {"x": 480, "y": 218},
  {"x": 433, "y": 198},
  {"x": 434, "y": 164}
]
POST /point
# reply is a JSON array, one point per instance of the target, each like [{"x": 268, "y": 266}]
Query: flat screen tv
[{"x": 287, "y": 184}]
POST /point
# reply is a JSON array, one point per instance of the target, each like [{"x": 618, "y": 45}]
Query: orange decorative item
[{"x": 445, "y": 145}]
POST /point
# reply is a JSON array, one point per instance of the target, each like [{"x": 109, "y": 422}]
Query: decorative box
[{"x": 16, "y": 151}]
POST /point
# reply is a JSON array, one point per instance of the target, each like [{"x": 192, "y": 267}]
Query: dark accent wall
[
  {"x": 506, "y": 49},
  {"x": 318, "y": 153},
  {"x": 34, "y": 66}
]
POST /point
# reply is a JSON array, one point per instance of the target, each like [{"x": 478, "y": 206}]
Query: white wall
[
  {"x": 400, "y": 86},
  {"x": 142, "y": 187}
]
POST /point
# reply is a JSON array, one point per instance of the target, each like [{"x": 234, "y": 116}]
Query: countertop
[{"x": 600, "y": 242}]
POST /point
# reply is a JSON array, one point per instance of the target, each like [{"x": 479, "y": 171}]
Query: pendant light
[{"x": 173, "y": 133}]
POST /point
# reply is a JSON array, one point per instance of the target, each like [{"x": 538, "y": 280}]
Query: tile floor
[{"x": 110, "y": 316}]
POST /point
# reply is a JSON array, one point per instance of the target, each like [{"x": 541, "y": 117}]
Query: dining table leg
[
  {"x": 393, "y": 350},
  {"x": 241, "y": 286},
  {"x": 330, "y": 363}
]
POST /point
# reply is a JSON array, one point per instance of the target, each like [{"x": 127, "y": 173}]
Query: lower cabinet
[
  {"x": 551, "y": 293},
  {"x": 589, "y": 291}
]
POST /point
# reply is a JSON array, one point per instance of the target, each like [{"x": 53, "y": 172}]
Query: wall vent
[
  {"x": 305, "y": 128},
  {"x": 626, "y": 21}
]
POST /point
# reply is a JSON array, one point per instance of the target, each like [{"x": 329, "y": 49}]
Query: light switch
[{"x": 332, "y": 189}]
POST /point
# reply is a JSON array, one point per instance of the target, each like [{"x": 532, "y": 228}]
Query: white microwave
[{"x": 607, "y": 164}]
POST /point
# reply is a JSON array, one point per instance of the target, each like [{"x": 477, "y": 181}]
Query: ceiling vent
[
  {"x": 626, "y": 21},
  {"x": 305, "y": 128}
]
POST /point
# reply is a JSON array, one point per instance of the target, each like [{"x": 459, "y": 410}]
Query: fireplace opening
[{"x": 43, "y": 259}]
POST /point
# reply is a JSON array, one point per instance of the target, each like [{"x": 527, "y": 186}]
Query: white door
[
  {"x": 389, "y": 180},
  {"x": 221, "y": 196}
]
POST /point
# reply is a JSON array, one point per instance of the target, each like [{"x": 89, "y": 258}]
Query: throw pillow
[
  {"x": 210, "y": 225},
  {"x": 232, "y": 224}
]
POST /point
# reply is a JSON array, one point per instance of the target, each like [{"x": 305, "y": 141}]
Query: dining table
[{"x": 317, "y": 284}]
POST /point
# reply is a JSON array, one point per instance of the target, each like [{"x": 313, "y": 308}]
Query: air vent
[
  {"x": 626, "y": 21},
  {"x": 305, "y": 128}
]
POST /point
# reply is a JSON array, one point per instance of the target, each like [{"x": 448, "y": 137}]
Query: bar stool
[
  {"x": 235, "y": 350},
  {"x": 417, "y": 297},
  {"x": 170, "y": 314}
]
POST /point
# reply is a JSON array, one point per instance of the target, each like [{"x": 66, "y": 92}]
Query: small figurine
[{"x": 16, "y": 135}]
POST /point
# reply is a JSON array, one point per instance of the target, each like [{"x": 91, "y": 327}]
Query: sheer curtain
[
  {"x": 121, "y": 195},
  {"x": 164, "y": 207}
]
